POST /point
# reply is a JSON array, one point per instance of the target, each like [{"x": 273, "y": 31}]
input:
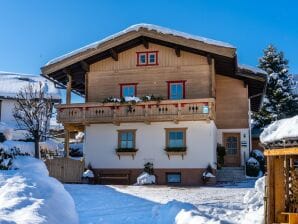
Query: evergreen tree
[{"x": 279, "y": 100}]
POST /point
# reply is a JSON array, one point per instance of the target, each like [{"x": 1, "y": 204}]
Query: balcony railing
[{"x": 151, "y": 111}]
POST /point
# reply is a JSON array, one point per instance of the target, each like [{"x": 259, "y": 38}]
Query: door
[{"x": 232, "y": 144}]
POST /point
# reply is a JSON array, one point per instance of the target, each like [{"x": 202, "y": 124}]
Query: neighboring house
[
  {"x": 11, "y": 84},
  {"x": 207, "y": 98}
]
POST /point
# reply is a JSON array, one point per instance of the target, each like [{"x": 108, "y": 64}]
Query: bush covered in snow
[
  {"x": 252, "y": 167},
  {"x": 76, "y": 150},
  {"x": 258, "y": 155},
  {"x": 8, "y": 155}
]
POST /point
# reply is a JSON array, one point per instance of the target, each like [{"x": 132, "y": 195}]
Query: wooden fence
[{"x": 66, "y": 170}]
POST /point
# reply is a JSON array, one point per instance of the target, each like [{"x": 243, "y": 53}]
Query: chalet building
[
  {"x": 181, "y": 95},
  {"x": 11, "y": 84}
]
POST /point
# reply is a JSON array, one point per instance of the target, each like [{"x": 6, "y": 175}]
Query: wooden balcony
[{"x": 151, "y": 111}]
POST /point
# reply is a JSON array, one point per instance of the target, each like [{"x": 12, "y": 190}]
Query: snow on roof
[
  {"x": 11, "y": 83},
  {"x": 252, "y": 69},
  {"x": 137, "y": 27},
  {"x": 280, "y": 130}
]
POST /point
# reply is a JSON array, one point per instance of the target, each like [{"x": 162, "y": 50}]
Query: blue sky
[{"x": 32, "y": 32}]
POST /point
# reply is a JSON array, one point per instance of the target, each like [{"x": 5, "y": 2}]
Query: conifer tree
[{"x": 279, "y": 101}]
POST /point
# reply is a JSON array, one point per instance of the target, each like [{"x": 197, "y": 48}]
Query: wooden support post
[
  {"x": 270, "y": 191},
  {"x": 68, "y": 90},
  {"x": 66, "y": 142},
  {"x": 211, "y": 64}
]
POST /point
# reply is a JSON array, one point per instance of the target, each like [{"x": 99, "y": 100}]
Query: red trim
[
  {"x": 178, "y": 81},
  {"x": 147, "y": 58},
  {"x": 127, "y": 84}
]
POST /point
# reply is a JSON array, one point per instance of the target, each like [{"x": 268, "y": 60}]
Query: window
[
  {"x": 173, "y": 178},
  {"x": 231, "y": 145},
  {"x": 126, "y": 139},
  {"x": 142, "y": 59},
  {"x": 176, "y": 138},
  {"x": 152, "y": 58},
  {"x": 176, "y": 90},
  {"x": 128, "y": 89},
  {"x": 147, "y": 58}
]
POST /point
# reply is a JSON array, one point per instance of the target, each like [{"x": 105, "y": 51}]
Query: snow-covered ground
[
  {"x": 224, "y": 203},
  {"x": 28, "y": 195}
]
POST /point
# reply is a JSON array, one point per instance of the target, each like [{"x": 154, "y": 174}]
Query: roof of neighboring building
[
  {"x": 12, "y": 83},
  {"x": 225, "y": 59}
]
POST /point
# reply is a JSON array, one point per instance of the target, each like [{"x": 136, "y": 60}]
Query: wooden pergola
[{"x": 282, "y": 183}]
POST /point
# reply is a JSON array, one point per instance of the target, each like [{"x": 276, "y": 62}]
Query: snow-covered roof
[
  {"x": 137, "y": 27},
  {"x": 252, "y": 69},
  {"x": 281, "y": 130},
  {"x": 11, "y": 84}
]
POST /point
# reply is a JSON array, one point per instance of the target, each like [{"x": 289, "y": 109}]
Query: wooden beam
[
  {"x": 145, "y": 42},
  {"x": 68, "y": 89},
  {"x": 114, "y": 54},
  {"x": 281, "y": 152},
  {"x": 85, "y": 66},
  {"x": 178, "y": 51},
  {"x": 209, "y": 59}
]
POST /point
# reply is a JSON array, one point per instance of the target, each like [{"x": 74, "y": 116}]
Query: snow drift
[
  {"x": 29, "y": 195},
  {"x": 254, "y": 199}
]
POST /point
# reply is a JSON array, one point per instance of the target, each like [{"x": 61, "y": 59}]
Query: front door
[{"x": 232, "y": 144}]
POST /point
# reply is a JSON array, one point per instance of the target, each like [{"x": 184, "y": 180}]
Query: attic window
[{"x": 147, "y": 58}]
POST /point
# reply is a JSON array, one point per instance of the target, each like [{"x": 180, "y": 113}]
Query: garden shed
[{"x": 281, "y": 142}]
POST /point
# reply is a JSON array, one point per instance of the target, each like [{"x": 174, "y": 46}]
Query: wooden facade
[
  {"x": 231, "y": 103},
  {"x": 105, "y": 76}
]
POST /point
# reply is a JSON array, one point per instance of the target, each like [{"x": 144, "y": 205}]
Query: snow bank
[
  {"x": 137, "y": 27},
  {"x": 12, "y": 83},
  {"x": 180, "y": 213},
  {"x": 279, "y": 130},
  {"x": 145, "y": 178},
  {"x": 29, "y": 195},
  {"x": 254, "y": 199}
]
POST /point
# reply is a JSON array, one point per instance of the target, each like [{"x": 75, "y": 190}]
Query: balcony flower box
[
  {"x": 126, "y": 152},
  {"x": 176, "y": 151}
]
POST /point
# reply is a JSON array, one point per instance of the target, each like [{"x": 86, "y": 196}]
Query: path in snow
[{"x": 134, "y": 204}]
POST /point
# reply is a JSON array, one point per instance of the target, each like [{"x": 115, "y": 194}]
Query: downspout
[{"x": 249, "y": 126}]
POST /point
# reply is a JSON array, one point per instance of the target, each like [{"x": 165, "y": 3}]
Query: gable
[
  {"x": 166, "y": 58},
  {"x": 106, "y": 76}
]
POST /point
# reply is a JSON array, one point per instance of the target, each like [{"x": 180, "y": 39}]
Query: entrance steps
[{"x": 230, "y": 174}]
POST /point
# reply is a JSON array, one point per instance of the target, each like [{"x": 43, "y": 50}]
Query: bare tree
[{"x": 33, "y": 110}]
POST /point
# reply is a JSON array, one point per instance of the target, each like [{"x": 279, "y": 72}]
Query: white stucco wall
[
  {"x": 102, "y": 140},
  {"x": 6, "y": 112},
  {"x": 244, "y": 140}
]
